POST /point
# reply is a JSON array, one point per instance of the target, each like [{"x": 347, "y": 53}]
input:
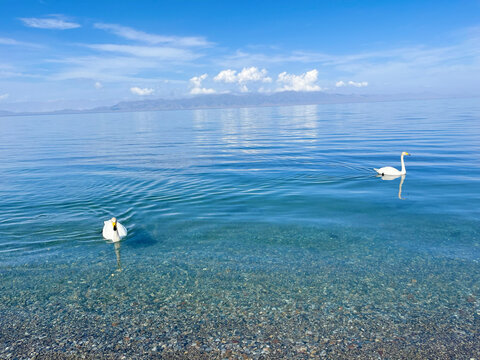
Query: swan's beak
[
  {"x": 408, "y": 154},
  {"x": 114, "y": 226}
]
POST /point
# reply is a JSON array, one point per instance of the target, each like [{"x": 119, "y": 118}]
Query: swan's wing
[
  {"x": 122, "y": 231},
  {"x": 387, "y": 169},
  {"x": 107, "y": 229}
]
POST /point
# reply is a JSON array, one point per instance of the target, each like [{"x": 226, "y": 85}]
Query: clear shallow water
[{"x": 261, "y": 232}]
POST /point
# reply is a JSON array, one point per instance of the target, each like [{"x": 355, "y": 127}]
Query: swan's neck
[{"x": 403, "y": 166}]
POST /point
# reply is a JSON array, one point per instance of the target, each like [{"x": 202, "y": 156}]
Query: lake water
[{"x": 253, "y": 233}]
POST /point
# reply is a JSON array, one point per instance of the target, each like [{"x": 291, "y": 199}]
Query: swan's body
[
  {"x": 113, "y": 230},
  {"x": 391, "y": 171}
]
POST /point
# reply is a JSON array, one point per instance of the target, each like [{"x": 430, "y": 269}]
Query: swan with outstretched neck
[
  {"x": 113, "y": 230},
  {"x": 391, "y": 171}
]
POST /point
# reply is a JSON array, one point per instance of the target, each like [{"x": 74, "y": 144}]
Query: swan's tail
[{"x": 377, "y": 170}]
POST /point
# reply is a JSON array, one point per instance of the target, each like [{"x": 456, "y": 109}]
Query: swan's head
[
  {"x": 114, "y": 223},
  {"x": 405, "y": 153}
]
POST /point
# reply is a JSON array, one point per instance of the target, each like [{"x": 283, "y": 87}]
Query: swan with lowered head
[
  {"x": 391, "y": 171},
  {"x": 113, "y": 230}
]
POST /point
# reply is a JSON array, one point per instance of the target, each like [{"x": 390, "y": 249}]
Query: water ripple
[{"x": 288, "y": 165}]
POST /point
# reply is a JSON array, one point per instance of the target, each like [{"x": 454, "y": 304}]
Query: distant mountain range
[
  {"x": 234, "y": 100},
  {"x": 231, "y": 101}
]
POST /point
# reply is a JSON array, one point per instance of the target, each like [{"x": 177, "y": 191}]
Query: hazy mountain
[{"x": 233, "y": 101}]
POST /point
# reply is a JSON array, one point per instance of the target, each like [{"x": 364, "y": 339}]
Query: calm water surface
[{"x": 259, "y": 232}]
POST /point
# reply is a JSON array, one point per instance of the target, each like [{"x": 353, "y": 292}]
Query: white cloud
[
  {"x": 49, "y": 23},
  {"x": 8, "y": 41},
  {"x": 130, "y": 62},
  {"x": 141, "y": 58},
  {"x": 264, "y": 90},
  {"x": 164, "y": 53},
  {"x": 10, "y": 71},
  {"x": 132, "y": 34},
  {"x": 303, "y": 82},
  {"x": 398, "y": 69},
  {"x": 227, "y": 76},
  {"x": 4, "y": 96},
  {"x": 98, "y": 85},
  {"x": 196, "y": 83},
  {"x": 253, "y": 74},
  {"x": 197, "y": 91},
  {"x": 351, "y": 83},
  {"x": 242, "y": 58},
  {"x": 142, "y": 92},
  {"x": 103, "y": 68},
  {"x": 246, "y": 75},
  {"x": 358, "y": 84}
]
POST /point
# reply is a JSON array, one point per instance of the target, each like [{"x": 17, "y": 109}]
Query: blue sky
[{"x": 80, "y": 54}]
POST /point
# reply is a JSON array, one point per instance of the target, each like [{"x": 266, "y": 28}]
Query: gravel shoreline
[{"x": 214, "y": 302}]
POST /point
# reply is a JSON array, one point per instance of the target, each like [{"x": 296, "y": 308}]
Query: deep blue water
[{"x": 255, "y": 208}]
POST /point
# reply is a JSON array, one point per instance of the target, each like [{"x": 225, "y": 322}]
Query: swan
[
  {"x": 391, "y": 171},
  {"x": 113, "y": 230}
]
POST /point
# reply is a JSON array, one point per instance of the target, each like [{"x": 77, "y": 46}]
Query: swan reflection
[
  {"x": 116, "y": 246},
  {"x": 393, "y": 177}
]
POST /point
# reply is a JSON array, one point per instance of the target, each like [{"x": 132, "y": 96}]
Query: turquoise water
[{"x": 253, "y": 233}]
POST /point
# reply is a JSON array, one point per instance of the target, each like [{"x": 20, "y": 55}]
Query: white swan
[
  {"x": 391, "y": 171},
  {"x": 113, "y": 230}
]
